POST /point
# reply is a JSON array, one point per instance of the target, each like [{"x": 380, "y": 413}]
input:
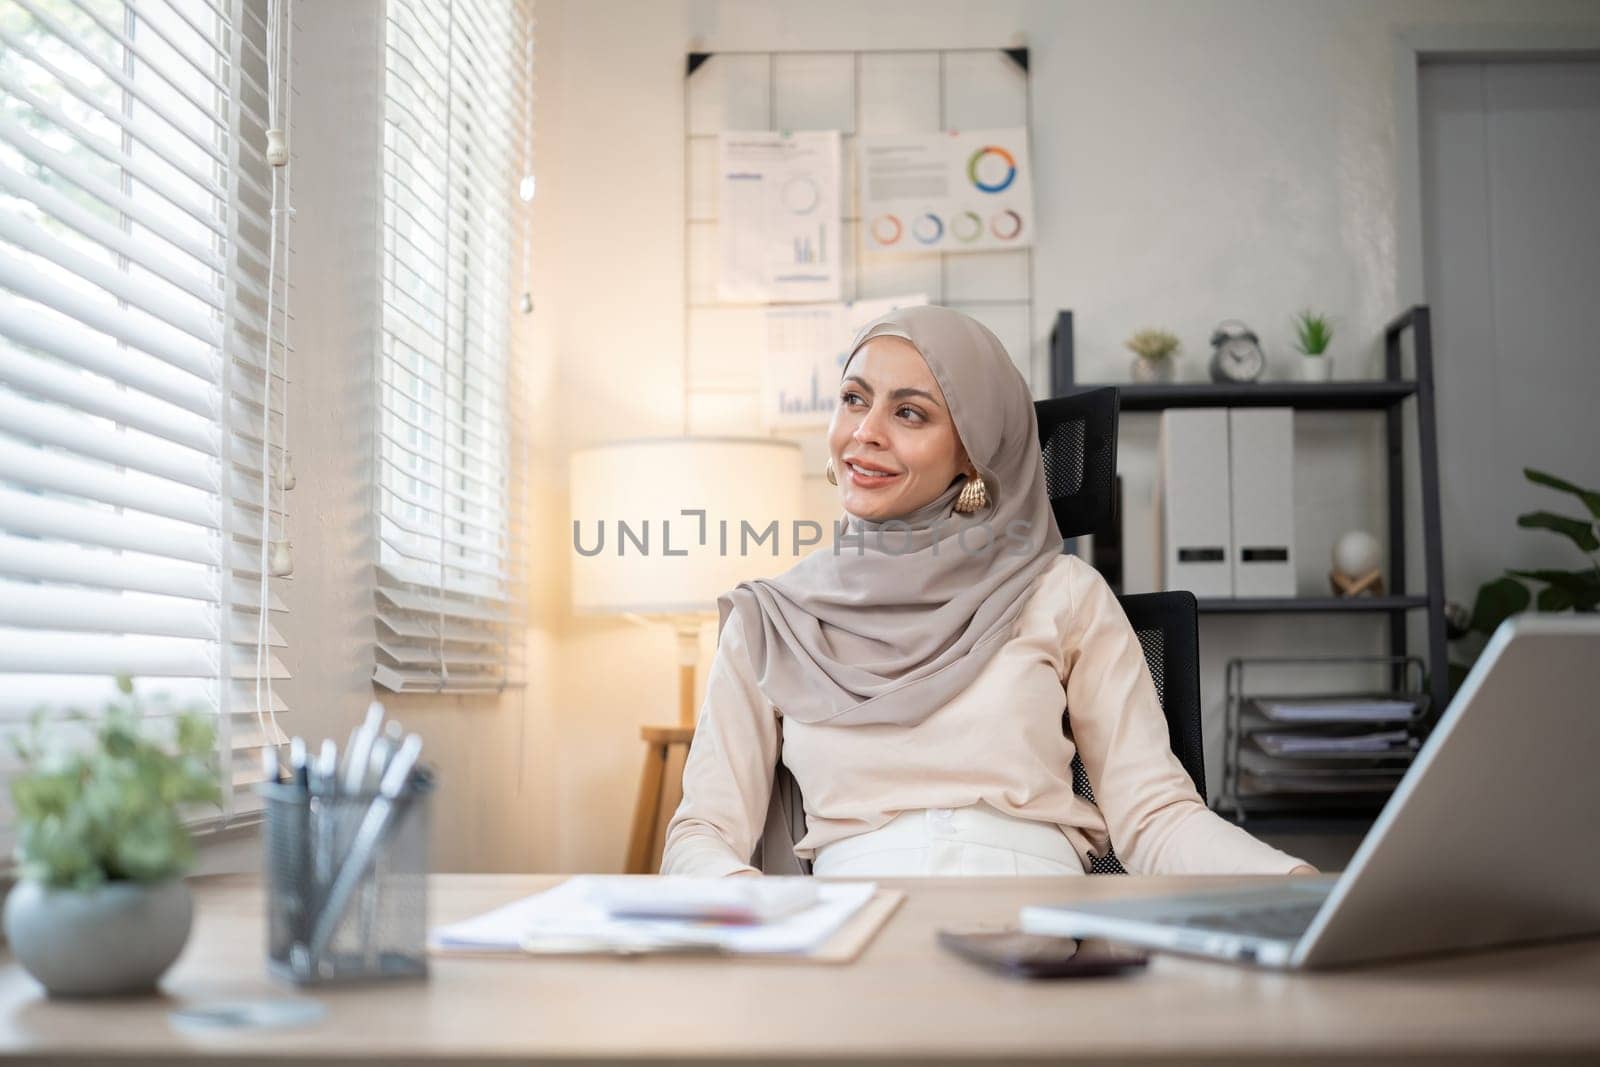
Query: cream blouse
[{"x": 1000, "y": 741}]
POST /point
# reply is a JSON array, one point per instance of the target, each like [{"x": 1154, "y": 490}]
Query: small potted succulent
[
  {"x": 1153, "y": 351},
  {"x": 100, "y": 907},
  {"x": 1313, "y": 335}
]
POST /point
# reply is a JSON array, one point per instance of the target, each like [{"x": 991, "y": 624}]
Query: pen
[
  {"x": 328, "y": 767},
  {"x": 361, "y": 748},
  {"x": 299, "y": 917},
  {"x": 368, "y": 908},
  {"x": 375, "y": 824},
  {"x": 299, "y": 772}
]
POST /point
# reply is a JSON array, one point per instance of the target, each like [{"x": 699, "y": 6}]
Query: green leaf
[
  {"x": 1577, "y": 581},
  {"x": 1497, "y": 601},
  {"x": 1579, "y": 589},
  {"x": 124, "y": 685},
  {"x": 1555, "y": 598},
  {"x": 195, "y": 734},
  {"x": 1590, "y": 498},
  {"x": 1580, "y": 532},
  {"x": 1315, "y": 333}
]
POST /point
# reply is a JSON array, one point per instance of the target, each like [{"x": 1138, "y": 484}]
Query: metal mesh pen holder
[{"x": 347, "y": 896}]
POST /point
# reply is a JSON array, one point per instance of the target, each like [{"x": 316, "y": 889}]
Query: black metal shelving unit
[{"x": 1387, "y": 395}]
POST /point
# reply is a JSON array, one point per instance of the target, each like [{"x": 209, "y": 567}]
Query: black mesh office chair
[{"x": 1078, "y": 436}]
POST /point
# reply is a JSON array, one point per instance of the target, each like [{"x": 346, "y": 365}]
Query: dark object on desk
[{"x": 1021, "y": 955}]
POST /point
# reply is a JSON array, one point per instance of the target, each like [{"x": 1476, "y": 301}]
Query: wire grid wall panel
[
  {"x": 854, "y": 92},
  {"x": 136, "y": 365}
]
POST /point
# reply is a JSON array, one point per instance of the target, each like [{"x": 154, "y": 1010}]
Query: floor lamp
[{"x": 661, "y": 528}]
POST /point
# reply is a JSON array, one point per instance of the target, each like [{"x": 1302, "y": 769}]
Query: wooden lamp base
[
  {"x": 666, "y": 751},
  {"x": 1369, "y": 584}
]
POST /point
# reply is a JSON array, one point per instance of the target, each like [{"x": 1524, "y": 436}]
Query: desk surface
[{"x": 905, "y": 1000}]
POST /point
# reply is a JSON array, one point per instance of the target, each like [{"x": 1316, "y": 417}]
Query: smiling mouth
[{"x": 866, "y": 476}]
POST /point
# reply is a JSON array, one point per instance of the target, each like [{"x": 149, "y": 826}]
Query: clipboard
[{"x": 844, "y": 945}]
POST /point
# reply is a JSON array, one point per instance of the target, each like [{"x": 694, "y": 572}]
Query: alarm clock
[{"x": 1236, "y": 354}]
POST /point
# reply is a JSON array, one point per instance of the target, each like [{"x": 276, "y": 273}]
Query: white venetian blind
[
  {"x": 448, "y": 451},
  {"x": 134, "y": 210}
]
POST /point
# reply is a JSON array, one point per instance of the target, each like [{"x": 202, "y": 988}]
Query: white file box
[
  {"x": 1193, "y": 500},
  {"x": 1261, "y": 478}
]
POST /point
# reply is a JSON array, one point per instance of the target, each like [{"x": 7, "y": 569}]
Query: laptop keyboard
[{"x": 1287, "y": 921}]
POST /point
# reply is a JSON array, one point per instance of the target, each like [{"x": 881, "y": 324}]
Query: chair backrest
[{"x": 1078, "y": 435}]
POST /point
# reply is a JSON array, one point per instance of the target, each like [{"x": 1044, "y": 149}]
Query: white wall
[{"x": 1193, "y": 161}]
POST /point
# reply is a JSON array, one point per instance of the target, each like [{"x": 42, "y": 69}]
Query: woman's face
[{"x": 893, "y": 443}]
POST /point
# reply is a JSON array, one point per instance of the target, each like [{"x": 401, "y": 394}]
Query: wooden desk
[{"x": 905, "y": 1001}]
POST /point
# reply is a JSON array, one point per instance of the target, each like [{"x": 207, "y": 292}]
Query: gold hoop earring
[
  {"x": 974, "y": 496},
  {"x": 827, "y": 472}
]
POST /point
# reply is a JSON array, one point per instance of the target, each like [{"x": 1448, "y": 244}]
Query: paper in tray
[
  {"x": 1365, "y": 743},
  {"x": 1336, "y": 709}
]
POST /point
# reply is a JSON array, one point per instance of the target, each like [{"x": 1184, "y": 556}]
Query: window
[
  {"x": 448, "y": 449},
  {"x": 135, "y": 210}
]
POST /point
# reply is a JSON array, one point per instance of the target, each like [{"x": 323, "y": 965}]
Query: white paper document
[
  {"x": 778, "y": 216},
  {"x": 945, "y": 191},
  {"x": 574, "y": 917},
  {"x": 806, "y": 352},
  {"x": 1337, "y": 710},
  {"x": 1381, "y": 742}
]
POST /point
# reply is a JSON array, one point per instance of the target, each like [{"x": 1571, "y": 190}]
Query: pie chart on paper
[{"x": 800, "y": 195}]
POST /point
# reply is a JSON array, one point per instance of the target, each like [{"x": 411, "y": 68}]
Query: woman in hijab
[{"x": 912, "y": 675}]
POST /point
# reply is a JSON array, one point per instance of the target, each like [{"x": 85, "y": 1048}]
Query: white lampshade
[{"x": 646, "y": 485}]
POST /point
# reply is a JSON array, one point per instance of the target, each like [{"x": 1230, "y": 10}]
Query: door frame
[{"x": 1415, "y": 45}]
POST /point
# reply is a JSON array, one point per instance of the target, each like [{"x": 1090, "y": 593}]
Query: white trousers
[{"x": 979, "y": 840}]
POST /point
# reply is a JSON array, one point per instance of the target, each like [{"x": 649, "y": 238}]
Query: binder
[
  {"x": 1193, "y": 498},
  {"x": 1261, "y": 474}
]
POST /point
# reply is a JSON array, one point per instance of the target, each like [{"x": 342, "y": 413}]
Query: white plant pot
[
  {"x": 115, "y": 939},
  {"x": 1316, "y": 368},
  {"x": 1151, "y": 371}
]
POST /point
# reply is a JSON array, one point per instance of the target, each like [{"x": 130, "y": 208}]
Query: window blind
[
  {"x": 448, "y": 454},
  {"x": 134, "y": 243}
]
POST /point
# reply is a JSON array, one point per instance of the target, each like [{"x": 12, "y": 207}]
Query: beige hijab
[{"x": 898, "y": 617}]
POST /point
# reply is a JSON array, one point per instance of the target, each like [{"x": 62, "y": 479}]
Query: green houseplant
[
  {"x": 100, "y": 907},
  {"x": 1552, "y": 589},
  {"x": 1153, "y": 350},
  {"x": 1313, "y": 335}
]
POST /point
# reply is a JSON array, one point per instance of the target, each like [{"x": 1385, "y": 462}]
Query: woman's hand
[{"x": 1305, "y": 868}]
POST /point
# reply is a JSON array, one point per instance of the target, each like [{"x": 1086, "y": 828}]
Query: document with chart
[
  {"x": 778, "y": 216},
  {"x": 945, "y": 191},
  {"x": 806, "y": 351}
]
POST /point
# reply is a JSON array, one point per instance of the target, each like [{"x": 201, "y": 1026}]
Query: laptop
[{"x": 1491, "y": 838}]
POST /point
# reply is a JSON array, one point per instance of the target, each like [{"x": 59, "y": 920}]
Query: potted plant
[
  {"x": 1153, "y": 351},
  {"x": 1313, "y": 334},
  {"x": 100, "y": 906},
  {"x": 1562, "y": 590}
]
